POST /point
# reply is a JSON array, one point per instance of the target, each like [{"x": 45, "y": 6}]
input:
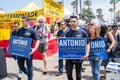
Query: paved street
[{"x": 52, "y": 70}]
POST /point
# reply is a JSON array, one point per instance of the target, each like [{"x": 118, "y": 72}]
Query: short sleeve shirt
[
  {"x": 14, "y": 33},
  {"x": 31, "y": 33},
  {"x": 61, "y": 33}
]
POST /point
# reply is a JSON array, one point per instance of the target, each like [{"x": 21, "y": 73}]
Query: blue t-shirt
[
  {"x": 77, "y": 33},
  {"x": 30, "y": 33},
  {"x": 92, "y": 54},
  {"x": 61, "y": 33},
  {"x": 14, "y": 33}
]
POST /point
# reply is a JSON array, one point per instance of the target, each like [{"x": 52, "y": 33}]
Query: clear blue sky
[{"x": 13, "y": 5}]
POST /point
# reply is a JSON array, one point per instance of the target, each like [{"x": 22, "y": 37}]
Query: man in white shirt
[{"x": 42, "y": 31}]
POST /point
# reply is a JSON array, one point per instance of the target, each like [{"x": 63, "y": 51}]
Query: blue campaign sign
[
  {"x": 20, "y": 46},
  {"x": 98, "y": 49},
  {"x": 71, "y": 48}
]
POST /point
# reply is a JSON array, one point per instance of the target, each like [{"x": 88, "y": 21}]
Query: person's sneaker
[
  {"x": 58, "y": 74},
  {"x": 44, "y": 72},
  {"x": 19, "y": 75},
  {"x": 19, "y": 78}
]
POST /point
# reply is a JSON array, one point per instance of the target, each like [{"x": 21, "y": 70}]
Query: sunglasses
[
  {"x": 115, "y": 28},
  {"x": 62, "y": 24},
  {"x": 40, "y": 21}
]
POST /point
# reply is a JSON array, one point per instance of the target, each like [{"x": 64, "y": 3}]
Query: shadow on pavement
[
  {"x": 87, "y": 77},
  {"x": 86, "y": 64},
  {"x": 56, "y": 67},
  {"x": 51, "y": 73},
  {"x": 11, "y": 75},
  {"x": 91, "y": 77},
  {"x": 37, "y": 69},
  {"x": 101, "y": 71}
]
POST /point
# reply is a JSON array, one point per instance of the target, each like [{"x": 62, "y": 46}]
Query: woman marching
[
  {"x": 110, "y": 42},
  {"x": 94, "y": 59}
]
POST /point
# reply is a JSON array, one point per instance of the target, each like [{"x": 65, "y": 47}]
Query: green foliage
[
  {"x": 99, "y": 14},
  {"x": 87, "y": 12}
]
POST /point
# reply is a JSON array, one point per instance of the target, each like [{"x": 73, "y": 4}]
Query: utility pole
[
  {"x": 114, "y": 5},
  {"x": 63, "y": 2},
  {"x": 80, "y": 6},
  {"x": 76, "y": 7}
]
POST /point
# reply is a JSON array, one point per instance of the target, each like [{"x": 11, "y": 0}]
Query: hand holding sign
[
  {"x": 32, "y": 51},
  {"x": 85, "y": 57}
]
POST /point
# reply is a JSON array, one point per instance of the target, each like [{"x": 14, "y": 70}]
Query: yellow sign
[
  {"x": 3, "y": 17},
  {"x": 53, "y": 8},
  {"x": 19, "y": 15}
]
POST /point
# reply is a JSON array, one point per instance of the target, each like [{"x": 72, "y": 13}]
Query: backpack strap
[{"x": 36, "y": 27}]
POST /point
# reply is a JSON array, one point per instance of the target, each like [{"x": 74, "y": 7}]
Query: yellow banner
[
  {"x": 53, "y": 8},
  {"x": 3, "y": 17},
  {"x": 19, "y": 15}
]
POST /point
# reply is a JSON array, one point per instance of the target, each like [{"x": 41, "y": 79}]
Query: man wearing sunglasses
[
  {"x": 42, "y": 31},
  {"x": 116, "y": 35},
  {"x": 61, "y": 33}
]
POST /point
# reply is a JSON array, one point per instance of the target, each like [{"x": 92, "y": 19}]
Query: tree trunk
[
  {"x": 76, "y": 6},
  {"x": 80, "y": 6}
]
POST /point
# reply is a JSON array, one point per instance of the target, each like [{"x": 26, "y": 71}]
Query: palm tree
[
  {"x": 100, "y": 15},
  {"x": 75, "y": 5},
  {"x": 63, "y": 2},
  {"x": 111, "y": 10},
  {"x": 88, "y": 3},
  {"x": 80, "y": 6},
  {"x": 99, "y": 10},
  {"x": 87, "y": 12},
  {"x": 114, "y": 6}
]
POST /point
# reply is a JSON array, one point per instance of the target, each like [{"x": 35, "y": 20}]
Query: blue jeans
[
  {"x": 29, "y": 70},
  {"x": 60, "y": 61},
  {"x": 95, "y": 65}
]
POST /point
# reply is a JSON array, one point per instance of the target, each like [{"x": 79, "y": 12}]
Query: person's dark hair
[
  {"x": 64, "y": 22},
  {"x": 59, "y": 24},
  {"x": 67, "y": 21},
  {"x": 26, "y": 18},
  {"x": 109, "y": 26},
  {"x": 73, "y": 16},
  {"x": 114, "y": 25},
  {"x": 16, "y": 22},
  {"x": 103, "y": 30}
]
